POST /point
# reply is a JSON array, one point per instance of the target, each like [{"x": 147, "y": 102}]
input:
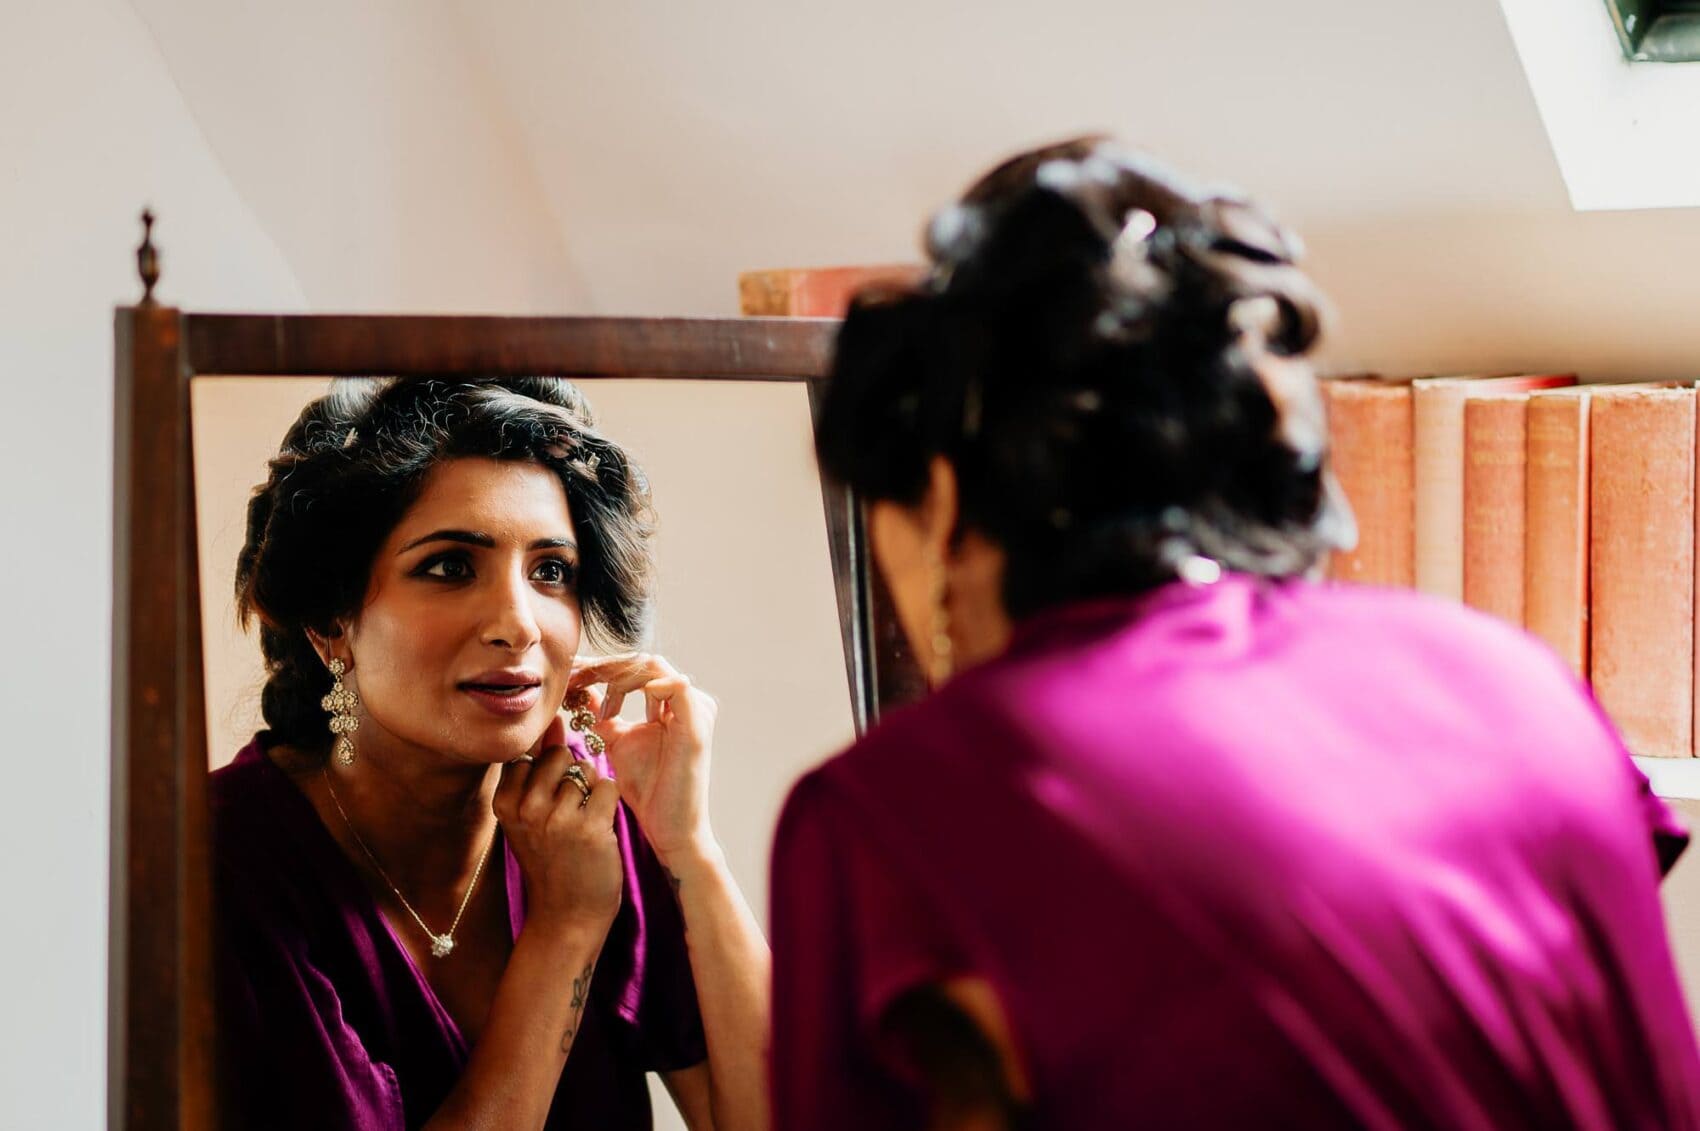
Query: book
[
  {"x": 1437, "y": 421},
  {"x": 1369, "y": 435},
  {"x": 1494, "y": 476},
  {"x": 816, "y": 292},
  {"x": 1555, "y": 559},
  {"x": 1642, "y": 564}
]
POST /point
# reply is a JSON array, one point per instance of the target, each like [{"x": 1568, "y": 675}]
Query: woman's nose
[{"x": 510, "y": 621}]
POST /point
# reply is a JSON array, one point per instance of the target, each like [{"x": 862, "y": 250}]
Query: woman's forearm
[
  {"x": 734, "y": 971},
  {"x": 511, "y": 1077}
]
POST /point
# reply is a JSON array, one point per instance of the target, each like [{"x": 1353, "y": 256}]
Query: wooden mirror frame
[{"x": 160, "y": 1012}]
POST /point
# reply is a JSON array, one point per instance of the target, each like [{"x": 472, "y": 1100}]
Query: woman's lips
[{"x": 504, "y": 695}]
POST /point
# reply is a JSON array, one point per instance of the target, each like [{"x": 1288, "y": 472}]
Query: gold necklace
[{"x": 441, "y": 945}]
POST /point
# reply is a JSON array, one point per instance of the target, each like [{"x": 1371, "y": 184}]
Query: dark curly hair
[
  {"x": 357, "y": 458},
  {"x": 1111, "y": 360}
]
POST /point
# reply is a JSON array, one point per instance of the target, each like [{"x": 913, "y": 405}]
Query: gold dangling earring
[
  {"x": 341, "y": 703},
  {"x": 581, "y": 719},
  {"x": 942, "y": 661}
]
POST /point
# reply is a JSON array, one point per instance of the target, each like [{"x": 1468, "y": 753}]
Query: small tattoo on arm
[
  {"x": 675, "y": 883},
  {"x": 581, "y": 989}
]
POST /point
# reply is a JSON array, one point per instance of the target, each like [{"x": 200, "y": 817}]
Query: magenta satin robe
[
  {"x": 1245, "y": 855},
  {"x": 325, "y": 1022}
]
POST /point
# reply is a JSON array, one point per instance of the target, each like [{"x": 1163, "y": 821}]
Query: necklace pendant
[{"x": 441, "y": 945}]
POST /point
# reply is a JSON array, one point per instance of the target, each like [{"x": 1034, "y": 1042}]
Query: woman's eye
[
  {"x": 553, "y": 572},
  {"x": 451, "y": 568}
]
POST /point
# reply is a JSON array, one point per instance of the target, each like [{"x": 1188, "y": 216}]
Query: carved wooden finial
[{"x": 147, "y": 258}]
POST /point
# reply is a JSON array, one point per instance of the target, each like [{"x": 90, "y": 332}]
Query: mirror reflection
[{"x": 475, "y": 604}]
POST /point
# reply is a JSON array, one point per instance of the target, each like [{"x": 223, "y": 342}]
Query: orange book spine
[
  {"x": 1438, "y": 501},
  {"x": 1555, "y": 559},
  {"x": 1369, "y": 427},
  {"x": 815, "y": 292},
  {"x": 1495, "y": 442},
  {"x": 1438, "y": 425},
  {"x": 1641, "y": 560}
]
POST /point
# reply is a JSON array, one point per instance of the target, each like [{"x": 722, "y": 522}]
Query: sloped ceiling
[
  {"x": 683, "y": 140},
  {"x": 373, "y": 149},
  {"x": 633, "y": 157}
]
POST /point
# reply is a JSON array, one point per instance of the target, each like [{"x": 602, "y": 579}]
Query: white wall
[{"x": 91, "y": 128}]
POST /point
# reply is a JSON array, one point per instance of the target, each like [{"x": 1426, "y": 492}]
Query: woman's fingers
[
  {"x": 547, "y": 774},
  {"x": 578, "y": 780},
  {"x": 587, "y": 698},
  {"x": 673, "y": 691},
  {"x": 659, "y": 674},
  {"x": 600, "y": 806},
  {"x": 510, "y": 787},
  {"x": 621, "y": 674},
  {"x": 589, "y": 811},
  {"x": 588, "y": 670}
]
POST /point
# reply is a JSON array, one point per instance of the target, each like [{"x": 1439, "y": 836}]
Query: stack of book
[{"x": 1565, "y": 508}]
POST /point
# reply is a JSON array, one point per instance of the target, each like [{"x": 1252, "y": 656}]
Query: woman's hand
[
  {"x": 661, "y": 764},
  {"x": 564, "y": 840}
]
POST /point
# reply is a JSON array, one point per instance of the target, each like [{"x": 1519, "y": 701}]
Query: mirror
[
  {"x": 745, "y": 598},
  {"x": 763, "y": 592}
]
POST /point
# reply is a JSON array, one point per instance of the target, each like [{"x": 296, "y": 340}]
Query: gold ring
[{"x": 575, "y": 774}]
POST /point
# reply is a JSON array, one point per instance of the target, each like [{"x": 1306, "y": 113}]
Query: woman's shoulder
[
  {"x": 1454, "y": 635},
  {"x": 260, "y": 826},
  {"x": 249, "y": 794},
  {"x": 899, "y": 751},
  {"x": 241, "y": 775}
]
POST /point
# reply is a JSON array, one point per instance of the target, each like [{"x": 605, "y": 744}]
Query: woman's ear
[{"x": 332, "y": 646}]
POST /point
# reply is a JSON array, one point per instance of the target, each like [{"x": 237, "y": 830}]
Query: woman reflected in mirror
[
  {"x": 453, "y": 886},
  {"x": 1182, "y": 837}
]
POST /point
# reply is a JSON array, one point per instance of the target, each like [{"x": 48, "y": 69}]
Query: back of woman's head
[
  {"x": 357, "y": 459},
  {"x": 1111, "y": 360}
]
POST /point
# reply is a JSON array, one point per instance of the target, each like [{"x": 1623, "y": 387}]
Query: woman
[
  {"x": 433, "y": 906},
  {"x": 1180, "y": 838}
]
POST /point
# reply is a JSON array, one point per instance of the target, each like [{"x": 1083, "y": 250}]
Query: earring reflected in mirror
[
  {"x": 581, "y": 719},
  {"x": 341, "y": 703},
  {"x": 942, "y": 660}
]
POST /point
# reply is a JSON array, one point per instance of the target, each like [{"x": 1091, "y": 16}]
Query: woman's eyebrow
[
  {"x": 469, "y": 537},
  {"x": 479, "y": 538}
]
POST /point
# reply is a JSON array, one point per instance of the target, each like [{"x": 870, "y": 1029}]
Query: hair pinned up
[{"x": 1112, "y": 359}]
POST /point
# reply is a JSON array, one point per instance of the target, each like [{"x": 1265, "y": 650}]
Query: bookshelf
[
  {"x": 1675, "y": 778},
  {"x": 1565, "y": 508}
]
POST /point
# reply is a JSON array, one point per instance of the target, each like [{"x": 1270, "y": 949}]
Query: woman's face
[{"x": 471, "y": 618}]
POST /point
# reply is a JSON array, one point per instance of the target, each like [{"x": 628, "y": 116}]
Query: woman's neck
[
  {"x": 979, "y": 624},
  {"x": 427, "y": 819}
]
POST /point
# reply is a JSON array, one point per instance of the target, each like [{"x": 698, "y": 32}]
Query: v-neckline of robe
[{"x": 357, "y": 896}]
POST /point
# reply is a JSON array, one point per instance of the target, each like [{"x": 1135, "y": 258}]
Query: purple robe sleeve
[
  {"x": 286, "y": 1058},
  {"x": 1666, "y": 830},
  {"x": 849, "y": 938},
  {"x": 661, "y": 1000},
  {"x": 1669, "y": 834}
]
